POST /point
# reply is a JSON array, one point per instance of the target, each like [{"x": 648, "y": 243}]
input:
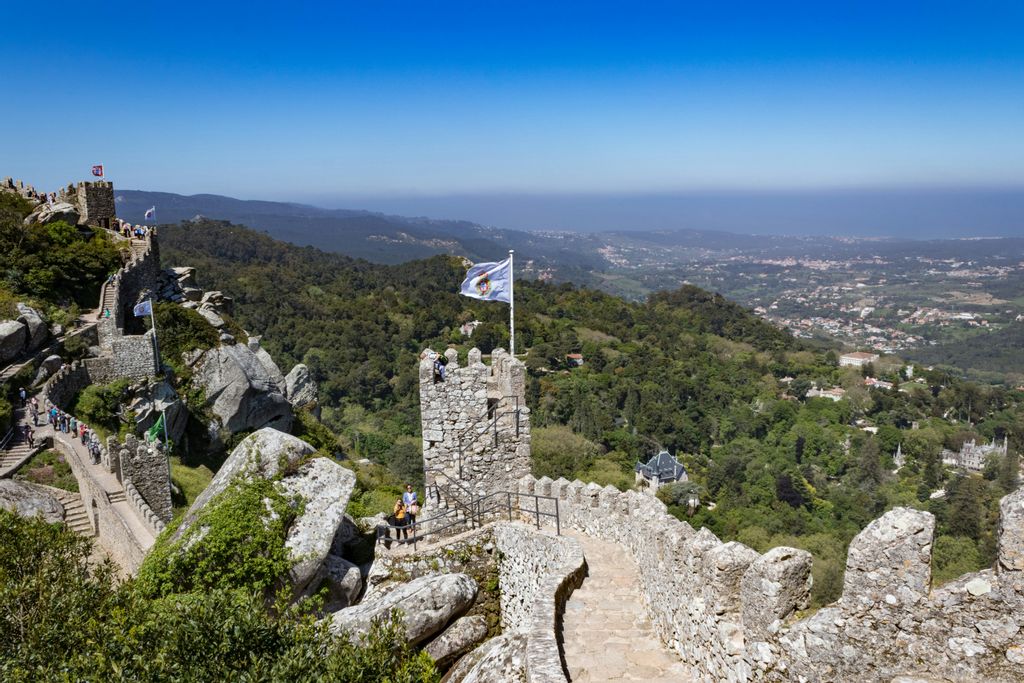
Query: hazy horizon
[{"x": 917, "y": 213}]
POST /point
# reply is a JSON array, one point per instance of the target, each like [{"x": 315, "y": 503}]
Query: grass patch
[
  {"x": 50, "y": 468},
  {"x": 191, "y": 481}
]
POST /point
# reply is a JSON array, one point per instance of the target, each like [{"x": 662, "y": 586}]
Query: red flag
[{"x": 97, "y": 170}]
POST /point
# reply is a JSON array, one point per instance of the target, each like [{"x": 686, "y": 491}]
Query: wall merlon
[
  {"x": 1011, "y": 532},
  {"x": 890, "y": 560}
]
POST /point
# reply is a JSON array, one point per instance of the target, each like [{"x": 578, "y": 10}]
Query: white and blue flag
[
  {"x": 150, "y": 213},
  {"x": 489, "y": 281},
  {"x": 145, "y": 308}
]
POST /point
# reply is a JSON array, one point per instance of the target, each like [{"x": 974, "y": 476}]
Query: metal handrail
[
  {"x": 7, "y": 438},
  {"x": 476, "y": 512}
]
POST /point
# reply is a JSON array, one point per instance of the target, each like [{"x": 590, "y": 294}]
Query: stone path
[
  {"x": 112, "y": 488},
  {"x": 607, "y": 635}
]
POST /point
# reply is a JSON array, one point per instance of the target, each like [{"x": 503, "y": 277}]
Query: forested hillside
[{"x": 685, "y": 370}]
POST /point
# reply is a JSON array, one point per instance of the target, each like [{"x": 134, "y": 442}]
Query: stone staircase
[
  {"x": 117, "y": 497},
  {"x": 15, "y": 457},
  {"x": 18, "y": 452},
  {"x": 138, "y": 248},
  {"x": 107, "y": 304},
  {"x": 76, "y": 517},
  {"x": 606, "y": 633}
]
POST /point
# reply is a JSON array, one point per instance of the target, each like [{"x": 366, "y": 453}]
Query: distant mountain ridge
[{"x": 361, "y": 234}]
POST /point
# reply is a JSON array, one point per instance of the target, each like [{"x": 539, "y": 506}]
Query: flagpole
[
  {"x": 156, "y": 344},
  {"x": 512, "y": 303}
]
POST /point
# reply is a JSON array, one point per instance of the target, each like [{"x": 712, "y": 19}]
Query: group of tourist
[
  {"x": 69, "y": 424},
  {"x": 127, "y": 229},
  {"x": 402, "y": 517}
]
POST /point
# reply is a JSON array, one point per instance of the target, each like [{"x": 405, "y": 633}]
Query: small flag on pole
[
  {"x": 97, "y": 170},
  {"x": 145, "y": 308},
  {"x": 489, "y": 281},
  {"x": 153, "y": 433},
  {"x": 150, "y": 213}
]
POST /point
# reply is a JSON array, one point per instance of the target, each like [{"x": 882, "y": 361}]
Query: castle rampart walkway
[{"x": 607, "y": 635}]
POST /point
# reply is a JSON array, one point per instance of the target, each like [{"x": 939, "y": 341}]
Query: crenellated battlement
[
  {"x": 729, "y": 611},
  {"x": 476, "y": 426}
]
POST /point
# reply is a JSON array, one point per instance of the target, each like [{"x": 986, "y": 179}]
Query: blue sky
[{"x": 350, "y": 103}]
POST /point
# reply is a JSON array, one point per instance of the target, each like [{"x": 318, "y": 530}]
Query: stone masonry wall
[
  {"x": 145, "y": 467},
  {"x": 96, "y": 203},
  {"x": 728, "y": 610},
  {"x": 64, "y": 384},
  {"x": 145, "y": 512},
  {"x": 456, "y": 414},
  {"x": 113, "y": 531},
  {"x": 538, "y": 573}
]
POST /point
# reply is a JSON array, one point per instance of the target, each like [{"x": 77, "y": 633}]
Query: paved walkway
[
  {"x": 112, "y": 488},
  {"x": 607, "y": 635}
]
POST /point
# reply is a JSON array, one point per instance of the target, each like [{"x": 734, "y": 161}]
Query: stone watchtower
[
  {"x": 476, "y": 426},
  {"x": 94, "y": 200}
]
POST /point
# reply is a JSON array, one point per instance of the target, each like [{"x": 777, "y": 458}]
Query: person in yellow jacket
[{"x": 401, "y": 516}]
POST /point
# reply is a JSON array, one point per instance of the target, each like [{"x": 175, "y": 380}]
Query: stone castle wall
[
  {"x": 728, "y": 611},
  {"x": 458, "y": 437},
  {"x": 114, "y": 530},
  {"x": 538, "y": 573},
  {"x": 145, "y": 467}
]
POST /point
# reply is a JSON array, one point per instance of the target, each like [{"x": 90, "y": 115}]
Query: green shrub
[
  {"x": 99, "y": 405},
  {"x": 50, "y": 468},
  {"x": 65, "y": 619},
  {"x": 181, "y": 330},
  {"x": 236, "y": 542}
]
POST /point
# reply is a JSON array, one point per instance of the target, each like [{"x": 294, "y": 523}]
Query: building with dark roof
[{"x": 660, "y": 469}]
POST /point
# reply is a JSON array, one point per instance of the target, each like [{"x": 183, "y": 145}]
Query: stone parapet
[
  {"x": 538, "y": 573},
  {"x": 728, "y": 611},
  {"x": 145, "y": 512},
  {"x": 120, "y": 536}
]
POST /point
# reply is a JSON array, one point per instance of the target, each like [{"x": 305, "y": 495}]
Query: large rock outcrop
[
  {"x": 300, "y": 387},
  {"x": 499, "y": 660},
  {"x": 326, "y": 487},
  {"x": 159, "y": 398},
  {"x": 426, "y": 604},
  {"x": 13, "y": 336},
  {"x": 460, "y": 637},
  {"x": 35, "y": 325},
  {"x": 261, "y": 454},
  {"x": 241, "y": 390},
  {"x": 344, "y": 583},
  {"x": 51, "y": 213},
  {"x": 30, "y": 501},
  {"x": 323, "y": 485}
]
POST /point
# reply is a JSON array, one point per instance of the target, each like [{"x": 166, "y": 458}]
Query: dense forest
[{"x": 685, "y": 370}]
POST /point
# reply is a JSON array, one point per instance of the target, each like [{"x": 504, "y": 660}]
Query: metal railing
[
  {"x": 478, "y": 511},
  {"x": 6, "y": 440}
]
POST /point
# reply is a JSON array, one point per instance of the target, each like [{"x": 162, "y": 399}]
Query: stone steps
[
  {"x": 76, "y": 517},
  {"x": 17, "y": 456},
  {"x": 606, "y": 633},
  {"x": 117, "y": 497}
]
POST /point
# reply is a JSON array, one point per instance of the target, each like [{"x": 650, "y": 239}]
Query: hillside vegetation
[{"x": 686, "y": 370}]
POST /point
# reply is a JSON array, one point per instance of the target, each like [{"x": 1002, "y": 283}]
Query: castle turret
[{"x": 476, "y": 426}]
